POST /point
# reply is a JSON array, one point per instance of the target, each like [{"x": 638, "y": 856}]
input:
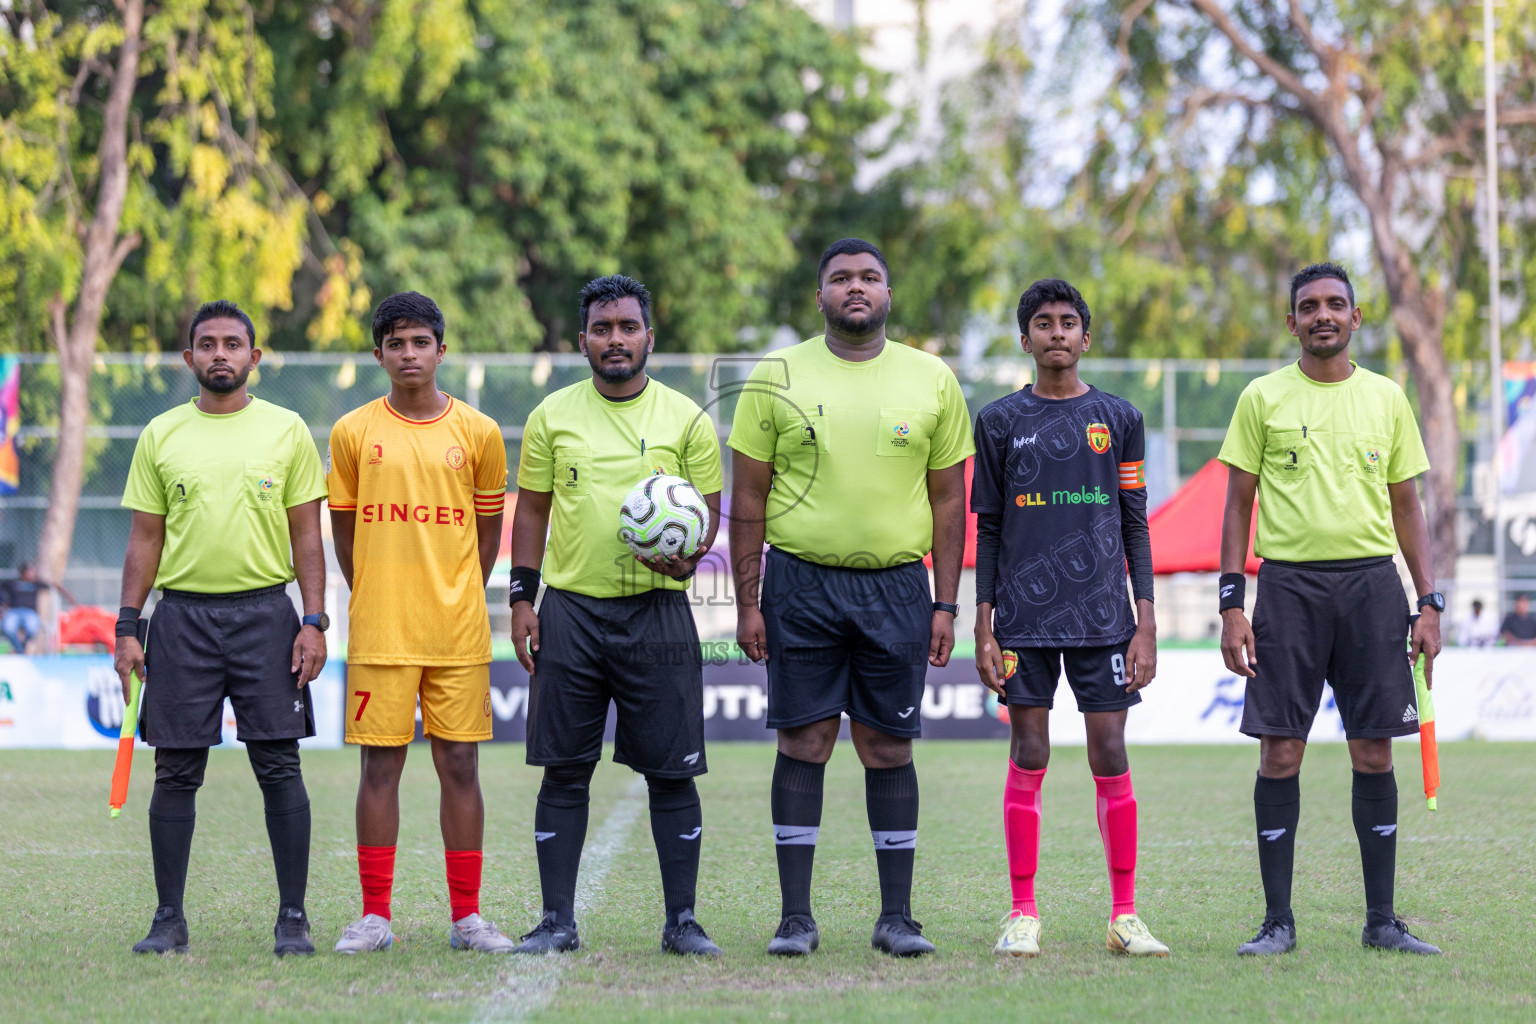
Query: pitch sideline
[{"x": 529, "y": 984}]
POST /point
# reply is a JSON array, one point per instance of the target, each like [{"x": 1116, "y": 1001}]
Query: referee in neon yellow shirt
[
  {"x": 225, "y": 492},
  {"x": 849, "y": 460},
  {"x": 1335, "y": 449},
  {"x": 611, "y": 628}
]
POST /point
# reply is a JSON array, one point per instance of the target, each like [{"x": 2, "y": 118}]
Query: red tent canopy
[{"x": 1186, "y": 529}]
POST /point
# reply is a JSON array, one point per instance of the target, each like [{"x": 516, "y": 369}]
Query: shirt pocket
[
  {"x": 662, "y": 460},
  {"x": 803, "y": 433},
  {"x": 1368, "y": 456},
  {"x": 183, "y": 493},
  {"x": 261, "y": 486},
  {"x": 1287, "y": 458},
  {"x": 904, "y": 433},
  {"x": 573, "y": 471}
]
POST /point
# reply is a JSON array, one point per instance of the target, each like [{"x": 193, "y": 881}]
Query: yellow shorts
[{"x": 381, "y": 703}]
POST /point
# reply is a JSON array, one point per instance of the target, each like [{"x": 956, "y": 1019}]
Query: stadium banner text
[
  {"x": 75, "y": 702},
  {"x": 1481, "y": 693}
]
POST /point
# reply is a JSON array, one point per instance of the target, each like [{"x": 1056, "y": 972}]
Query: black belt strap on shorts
[
  {"x": 1335, "y": 564},
  {"x": 237, "y": 595},
  {"x": 852, "y": 568}
]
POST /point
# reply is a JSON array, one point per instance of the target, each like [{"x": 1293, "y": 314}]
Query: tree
[
  {"x": 681, "y": 142},
  {"x": 131, "y": 138},
  {"x": 1365, "y": 113}
]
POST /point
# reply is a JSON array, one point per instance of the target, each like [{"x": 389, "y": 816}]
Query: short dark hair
[
  {"x": 406, "y": 308},
  {"x": 1317, "y": 272},
  {"x": 601, "y": 290},
  {"x": 849, "y": 247},
  {"x": 1050, "y": 289},
  {"x": 220, "y": 308}
]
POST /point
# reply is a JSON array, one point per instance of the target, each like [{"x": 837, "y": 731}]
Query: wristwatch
[
  {"x": 1434, "y": 599},
  {"x": 945, "y": 606},
  {"x": 322, "y": 622}
]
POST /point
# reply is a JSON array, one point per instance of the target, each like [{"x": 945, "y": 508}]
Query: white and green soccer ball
[{"x": 663, "y": 515}]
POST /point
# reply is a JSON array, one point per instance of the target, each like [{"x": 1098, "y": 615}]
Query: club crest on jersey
[
  {"x": 375, "y": 454},
  {"x": 455, "y": 457},
  {"x": 1098, "y": 438},
  {"x": 1010, "y": 664}
]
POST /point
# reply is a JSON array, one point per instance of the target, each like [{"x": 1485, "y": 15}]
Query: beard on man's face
[
  {"x": 1327, "y": 346},
  {"x": 613, "y": 373},
  {"x": 225, "y": 383},
  {"x": 859, "y": 324}
]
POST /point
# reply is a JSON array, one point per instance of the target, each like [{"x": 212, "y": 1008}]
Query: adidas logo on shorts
[{"x": 1410, "y": 714}]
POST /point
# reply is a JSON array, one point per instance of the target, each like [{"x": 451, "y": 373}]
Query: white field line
[{"x": 528, "y": 984}]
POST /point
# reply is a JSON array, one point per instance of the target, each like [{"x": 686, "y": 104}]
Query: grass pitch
[{"x": 76, "y": 891}]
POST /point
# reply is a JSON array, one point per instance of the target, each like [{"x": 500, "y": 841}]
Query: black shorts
[
  {"x": 853, "y": 640},
  {"x": 1097, "y": 676},
  {"x": 205, "y": 647},
  {"x": 1346, "y": 625},
  {"x": 642, "y": 653}
]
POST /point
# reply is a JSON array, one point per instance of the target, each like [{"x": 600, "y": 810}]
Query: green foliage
[
  {"x": 679, "y": 142},
  {"x": 211, "y": 212},
  {"x": 1216, "y": 185}
]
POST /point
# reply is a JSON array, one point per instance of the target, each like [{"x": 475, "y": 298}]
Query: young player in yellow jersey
[{"x": 417, "y": 485}]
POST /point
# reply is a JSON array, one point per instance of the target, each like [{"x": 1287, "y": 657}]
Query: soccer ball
[{"x": 663, "y": 515}]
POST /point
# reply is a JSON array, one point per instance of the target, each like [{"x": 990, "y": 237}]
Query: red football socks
[
  {"x": 464, "y": 881},
  {"x": 1117, "y": 826},
  {"x": 1021, "y": 832},
  {"x": 376, "y": 872}
]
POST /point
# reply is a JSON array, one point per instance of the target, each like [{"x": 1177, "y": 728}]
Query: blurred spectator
[
  {"x": 19, "y": 622},
  {"x": 1477, "y": 629},
  {"x": 1519, "y": 627}
]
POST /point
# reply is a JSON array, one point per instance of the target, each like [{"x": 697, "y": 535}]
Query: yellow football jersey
[{"x": 418, "y": 597}]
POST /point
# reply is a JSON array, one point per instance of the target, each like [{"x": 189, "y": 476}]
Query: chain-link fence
[{"x": 1187, "y": 405}]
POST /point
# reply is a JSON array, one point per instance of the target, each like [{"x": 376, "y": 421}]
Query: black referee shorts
[
  {"x": 642, "y": 653},
  {"x": 853, "y": 640},
  {"x": 1345, "y": 622},
  {"x": 205, "y": 647}
]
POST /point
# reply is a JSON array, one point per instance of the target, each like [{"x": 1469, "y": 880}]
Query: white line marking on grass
[{"x": 529, "y": 983}]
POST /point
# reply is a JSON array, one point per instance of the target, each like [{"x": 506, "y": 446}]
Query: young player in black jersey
[{"x": 1061, "y": 502}]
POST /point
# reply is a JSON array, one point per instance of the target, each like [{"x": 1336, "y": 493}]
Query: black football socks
[
  {"x": 677, "y": 825},
  {"x": 891, "y": 797},
  {"x": 1277, "y": 809},
  {"x": 287, "y": 807},
  {"x": 1375, "y": 813},
  {"x": 796, "y": 803},
  {"x": 559, "y": 832},
  {"x": 172, "y": 819}
]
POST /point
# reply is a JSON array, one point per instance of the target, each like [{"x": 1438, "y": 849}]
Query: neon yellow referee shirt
[
  {"x": 224, "y": 484},
  {"x": 851, "y": 445},
  {"x": 591, "y": 451},
  {"x": 1324, "y": 455}
]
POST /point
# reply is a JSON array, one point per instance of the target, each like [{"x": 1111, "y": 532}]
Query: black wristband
[
  {"x": 127, "y": 621},
  {"x": 1233, "y": 588},
  {"x": 946, "y": 606},
  {"x": 524, "y": 585}
]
